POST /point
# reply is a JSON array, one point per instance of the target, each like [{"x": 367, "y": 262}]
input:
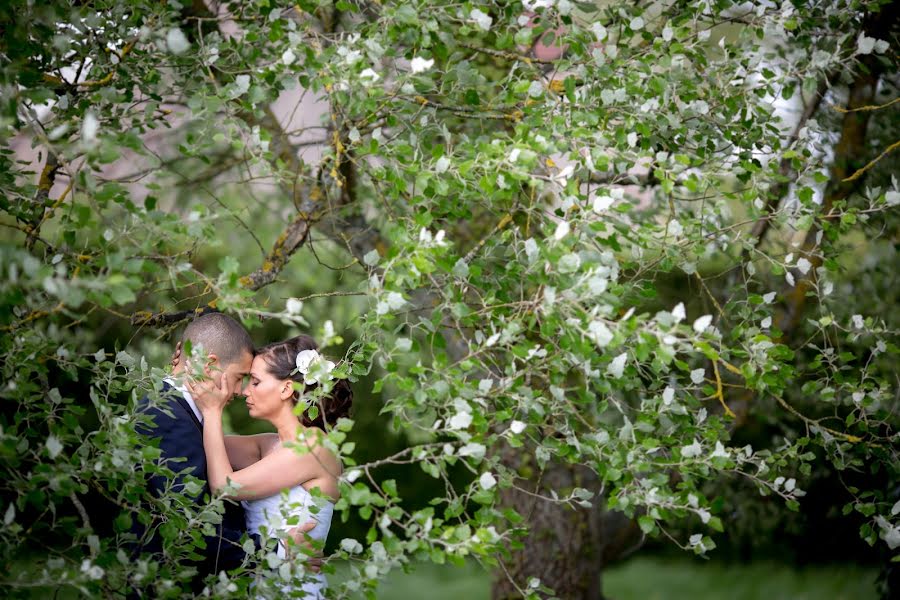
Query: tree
[{"x": 583, "y": 274}]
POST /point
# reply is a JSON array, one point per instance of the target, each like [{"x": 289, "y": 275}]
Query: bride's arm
[{"x": 244, "y": 450}]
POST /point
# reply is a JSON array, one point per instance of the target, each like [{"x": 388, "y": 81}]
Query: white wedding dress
[{"x": 273, "y": 514}]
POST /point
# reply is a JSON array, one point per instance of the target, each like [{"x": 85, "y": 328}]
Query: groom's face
[{"x": 233, "y": 375}]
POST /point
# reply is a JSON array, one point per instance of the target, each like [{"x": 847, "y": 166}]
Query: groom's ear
[{"x": 212, "y": 364}]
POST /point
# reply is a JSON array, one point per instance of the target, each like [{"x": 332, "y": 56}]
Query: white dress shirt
[{"x": 187, "y": 396}]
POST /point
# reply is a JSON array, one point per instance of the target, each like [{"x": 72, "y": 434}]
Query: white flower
[
  {"x": 91, "y": 570},
  {"x": 702, "y": 323},
  {"x": 89, "y": 128},
  {"x": 472, "y": 449},
  {"x": 599, "y": 31},
  {"x": 789, "y": 277},
  {"x": 678, "y": 312},
  {"x": 562, "y": 230},
  {"x": 531, "y": 249},
  {"x": 804, "y": 265},
  {"x": 10, "y": 514},
  {"x": 313, "y": 366},
  {"x": 460, "y": 420},
  {"x": 667, "y": 34},
  {"x": 176, "y": 41},
  {"x": 600, "y": 333},
  {"x": 517, "y": 427},
  {"x": 288, "y": 57},
  {"x": 54, "y": 446},
  {"x": 636, "y": 24},
  {"x": 858, "y": 321},
  {"x": 766, "y": 323},
  {"x": 514, "y": 155},
  {"x": 351, "y": 546},
  {"x": 293, "y": 306},
  {"x": 395, "y": 300},
  {"x": 535, "y": 89},
  {"x": 487, "y": 481},
  {"x": 419, "y": 65},
  {"x": 481, "y": 19},
  {"x": 697, "y": 375},
  {"x": 668, "y": 395},
  {"x": 674, "y": 228},
  {"x": 704, "y": 515},
  {"x": 602, "y": 203},
  {"x": 720, "y": 451},
  {"x": 369, "y": 74},
  {"x": 769, "y": 298},
  {"x": 304, "y": 359},
  {"x": 892, "y": 198},
  {"x": 617, "y": 366},
  {"x": 352, "y": 475},
  {"x": 404, "y": 344},
  {"x": 692, "y": 450},
  {"x": 569, "y": 263},
  {"x": 865, "y": 45},
  {"x": 442, "y": 164}
]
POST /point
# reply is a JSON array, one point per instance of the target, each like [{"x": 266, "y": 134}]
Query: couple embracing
[{"x": 278, "y": 487}]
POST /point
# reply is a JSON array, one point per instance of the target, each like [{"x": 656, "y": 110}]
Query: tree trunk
[{"x": 566, "y": 548}]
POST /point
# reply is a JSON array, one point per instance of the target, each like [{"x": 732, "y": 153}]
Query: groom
[{"x": 180, "y": 434}]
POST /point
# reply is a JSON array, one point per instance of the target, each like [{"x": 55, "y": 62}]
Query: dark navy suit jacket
[{"x": 181, "y": 435}]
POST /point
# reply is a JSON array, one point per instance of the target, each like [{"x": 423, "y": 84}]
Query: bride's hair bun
[{"x": 281, "y": 357}]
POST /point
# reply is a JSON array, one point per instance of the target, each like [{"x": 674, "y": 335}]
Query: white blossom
[
  {"x": 293, "y": 306},
  {"x": 691, "y": 450},
  {"x": 176, "y": 41},
  {"x": 487, "y": 481},
  {"x": 562, "y": 230},
  {"x": 351, "y": 546},
  {"x": 702, "y": 323},
  {"x": 600, "y": 333},
  {"x": 720, "y": 451},
  {"x": 602, "y": 203},
  {"x": 473, "y": 449},
  {"x": 698, "y": 375},
  {"x": 369, "y": 74},
  {"x": 804, "y": 265},
  {"x": 53, "y": 445},
  {"x": 481, "y": 19},
  {"x": 617, "y": 367},
  {"x": 517, "y": 427},
  {"x": 668, "y": 395},
  {"x": 678, "y": 312},
  {"x": 420, "y": 65},
  {"x": 460, "y": 420}
]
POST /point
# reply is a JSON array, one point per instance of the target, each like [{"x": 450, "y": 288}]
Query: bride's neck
[{"x": 287, "y": 424}]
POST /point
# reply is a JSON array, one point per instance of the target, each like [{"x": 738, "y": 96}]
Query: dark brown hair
[
  {"x": 281, "y": 358},
  {"x": 221, "y": 335}
]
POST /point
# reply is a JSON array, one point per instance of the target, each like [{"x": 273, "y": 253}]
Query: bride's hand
[{"x": 208, "y": 396}]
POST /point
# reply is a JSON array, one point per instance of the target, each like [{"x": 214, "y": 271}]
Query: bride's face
[{"x": 266, "y": 395}]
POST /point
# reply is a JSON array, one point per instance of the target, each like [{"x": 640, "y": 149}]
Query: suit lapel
[{"x": 179, "y": 397}]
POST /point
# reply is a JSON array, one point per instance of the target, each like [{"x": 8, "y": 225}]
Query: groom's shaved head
[{"x": 220, "y": 335}]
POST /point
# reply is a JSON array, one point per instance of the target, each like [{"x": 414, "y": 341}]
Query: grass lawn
[{"x": 652, "y": 578}]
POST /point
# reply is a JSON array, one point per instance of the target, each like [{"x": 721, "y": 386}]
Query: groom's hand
[{"x": 298, "y": 534}]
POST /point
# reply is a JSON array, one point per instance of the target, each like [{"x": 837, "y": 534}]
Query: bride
[{"x": 286, "y": 478}]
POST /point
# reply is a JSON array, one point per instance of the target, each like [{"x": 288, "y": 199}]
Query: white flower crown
[{"x": 313, "y": 366}]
